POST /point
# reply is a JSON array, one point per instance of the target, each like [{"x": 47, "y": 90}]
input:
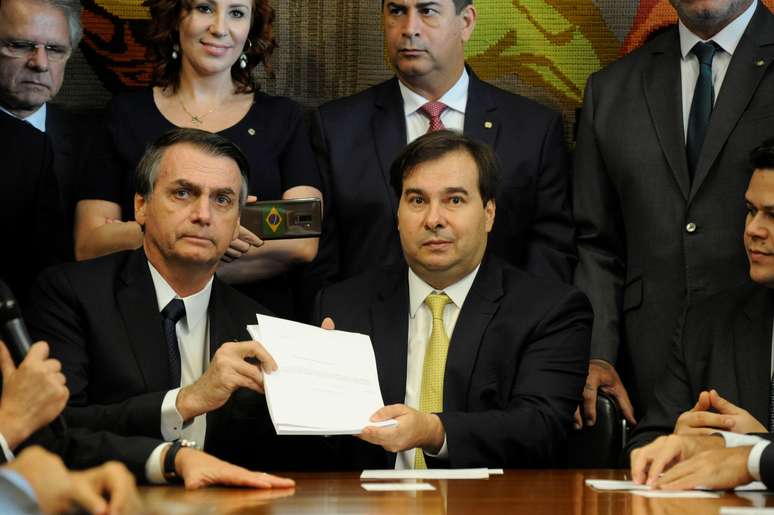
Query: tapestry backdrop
[{"x": 544, "y": 49}]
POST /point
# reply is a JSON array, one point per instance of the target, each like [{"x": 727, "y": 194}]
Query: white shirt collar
[
  {"x": 728, "y": 38},
  {"x": 195, "y": 305},
  {"x": 36, "y": 119},
  {"x": 419, "y": 290},
  {"x": 456, "y": 98}
]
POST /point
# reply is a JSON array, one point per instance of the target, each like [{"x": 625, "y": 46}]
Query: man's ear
[
  {"x": 139, "y": 208},
  {"x": 489, "y": 210},
  {"x": 467, "y": 17}
]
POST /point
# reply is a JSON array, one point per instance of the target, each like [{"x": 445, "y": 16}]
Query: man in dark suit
[
  {"x": 659, "y": 175},
  {"x": 29, "y": 218},
  {"x": 31, "y": 76},
  {"x": 358, "y": 137},
  {"x": 495, "y": 357},
  {"x": 726, "y": 340},
  {"x": 154, "y": 349}
]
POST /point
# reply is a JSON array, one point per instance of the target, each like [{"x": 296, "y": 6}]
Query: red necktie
[{"x": 433, "y": 110}]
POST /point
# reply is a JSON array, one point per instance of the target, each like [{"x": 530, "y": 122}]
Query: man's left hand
[
  {"x": 414, "y": 430},
  {"x": 719, "y": 469},
  {"x": 744, "y": 422}
]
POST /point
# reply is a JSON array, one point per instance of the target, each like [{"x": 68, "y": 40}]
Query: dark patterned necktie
[
  {"x": 701, "y": 106},
  {"x": 170, "y": 315},
  {"x": 433, "y": 111},
  {"x": 771, "y": 404}
]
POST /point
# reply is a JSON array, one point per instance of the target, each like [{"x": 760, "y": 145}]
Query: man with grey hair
[
  {"x": 152, "y": 343},
  {"x": 37, "y": 37}
]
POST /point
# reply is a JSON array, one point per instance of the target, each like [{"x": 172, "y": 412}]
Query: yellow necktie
[{"x": 431, "y": 394}]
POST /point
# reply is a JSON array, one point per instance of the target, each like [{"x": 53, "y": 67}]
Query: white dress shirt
[
  {"x": 193, "y": 341},
  {"x": 419, "y": 328},
  {"x": 727, "y": 39},
  {"x": 453, "y": 118},
  {"x": 36, "y": 119}
]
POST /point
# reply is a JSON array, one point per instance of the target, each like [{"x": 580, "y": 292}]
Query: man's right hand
[
  {"x": 699, "y": 420},
  {"x": 33, "y": 394},
  {"x": 106, "y": 489},
  {"x": 199, "y": 469},
  {"x": 602, "y": 376},
  {"x": 227, "y": 371},
  {"x": 649, "y": 462}
]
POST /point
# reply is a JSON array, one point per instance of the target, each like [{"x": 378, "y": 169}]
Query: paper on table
[
  {"x": 327, "y": 382},
  {"x": 610, "y": 484},
  {"x": 745, "y": 510},
  {"x": 429, "y": 474},
  {"x": 693, "y": 494},
  {"x": 396, "y": 487},
  {"x": 753, "y": 486}
]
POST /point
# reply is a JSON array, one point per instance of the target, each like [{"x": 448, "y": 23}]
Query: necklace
[{"x": 198, "y": 120}]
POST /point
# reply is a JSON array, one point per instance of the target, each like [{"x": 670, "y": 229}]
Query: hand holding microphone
[{"x": 34, "y": 391}]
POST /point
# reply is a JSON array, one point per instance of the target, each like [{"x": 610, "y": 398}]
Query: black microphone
[{"x": 17, "y": 339}]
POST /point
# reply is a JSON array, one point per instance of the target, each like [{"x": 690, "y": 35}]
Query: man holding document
[
  {"x": 152, "y": 343},
  {"x": 480, "y": 364}
]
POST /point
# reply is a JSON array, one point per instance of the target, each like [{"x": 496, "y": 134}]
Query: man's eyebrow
[
  {"x": 456, "y": 189},
  {"x": 415, "y": 191},
  {"x": 225, "y": 191}
]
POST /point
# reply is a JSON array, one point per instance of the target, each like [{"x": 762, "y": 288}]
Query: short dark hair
[
  {"x": 163, "y": 34},
  {"x": 211, "y": 143},
  {"x": 762, "y": 157},
  {"x": 435, "y": 145},
  {"x": 458, "y": 4}
]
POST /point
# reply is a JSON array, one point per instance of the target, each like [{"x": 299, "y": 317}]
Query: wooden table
[{"x": 533, "y": 492}]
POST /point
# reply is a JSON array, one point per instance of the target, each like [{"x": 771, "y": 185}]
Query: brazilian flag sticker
[{"x": 273, "y": 222}]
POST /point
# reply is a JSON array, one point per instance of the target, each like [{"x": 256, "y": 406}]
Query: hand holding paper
[
  {"x": 414, "y": 430},
  {"x": 326, "y": 382}
]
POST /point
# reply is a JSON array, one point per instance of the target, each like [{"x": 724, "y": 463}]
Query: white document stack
[{"x": 326, "y": 383}]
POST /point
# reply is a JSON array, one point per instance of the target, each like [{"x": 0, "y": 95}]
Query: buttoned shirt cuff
[
  {"x": 443, "y": 454},
  {"x": 19, "y": 482},
  {"x": 739, "y": 440},
  {"x": 7, "y": 452},
  {"x": 153, "y": 471},
  {"x": 754, "y": 459},
  {"x": 171, "y": 421}
]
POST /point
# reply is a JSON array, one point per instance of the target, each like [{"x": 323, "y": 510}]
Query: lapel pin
[
  {"x": 760, "y": 62},
  {"x": 487, "y": 125},
  {"x": 251, "y": 132}
]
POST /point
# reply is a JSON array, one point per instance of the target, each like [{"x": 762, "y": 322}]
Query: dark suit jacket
[
  {"x": 725, "y": 344},
  {"x": 29, "y": 215},
  {"x": 102, "y": 322},
  {"x": 638, "y": 257},
  {"x": 515, "y": 368},
  {"x": 356, "y": 140},
  {"x": 767, "y": 464},
  {"x": 68, "y": 134}
]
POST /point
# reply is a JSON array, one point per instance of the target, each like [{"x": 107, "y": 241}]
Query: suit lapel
[
  {"x": 389, "y": 320},
  {"x": 752, "y": 348},
  {"x": 481, "y": 120},
  {"x": 663, "y": 94},
  {"x": 389, "y": 130},
  {"x": 480, "y": 306},
  {"x": 739, "y": 85},
  {"x": 136, "y": 299}
]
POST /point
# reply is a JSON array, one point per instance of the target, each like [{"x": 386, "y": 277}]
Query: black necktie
[
  {"x": 701, "y": 106},
  {"x": 171, "y": 313},
  {"x": 771, "y": 404}
]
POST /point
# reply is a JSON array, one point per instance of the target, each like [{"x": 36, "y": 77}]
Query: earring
[
  {"x": 243, "y": 61},
  {"x": 175, "y": 50}
]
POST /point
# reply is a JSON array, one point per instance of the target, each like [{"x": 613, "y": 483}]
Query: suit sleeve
[
  {"x": 531, "y": 426},
  {"x": 58, "y": 318},
  {"x": 551, "y": 245},
  {"x": 600, "y": 236},
  {"x": 674, "y": 393},
  {"x": 324, "y": 269}
]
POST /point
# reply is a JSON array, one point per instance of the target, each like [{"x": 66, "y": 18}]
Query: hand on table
[
  {"x": 648, "y": 462},
  {"x": 199, "y": 469},
  {"x": 602, "y": 376},
  {"x": 718, "y": 469}
]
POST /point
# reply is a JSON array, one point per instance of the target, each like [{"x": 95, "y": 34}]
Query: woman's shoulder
[
  {"x": 271, "y": 103},
  {"x": 132, "y": 104}
]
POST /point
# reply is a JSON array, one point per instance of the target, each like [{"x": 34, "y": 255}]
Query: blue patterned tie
[
  {"x": 171, "y": 313},
  {"x": 701, "y": 106}
]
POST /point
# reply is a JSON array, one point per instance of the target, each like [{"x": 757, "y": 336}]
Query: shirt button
[{"x": 691, "y": 227}]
